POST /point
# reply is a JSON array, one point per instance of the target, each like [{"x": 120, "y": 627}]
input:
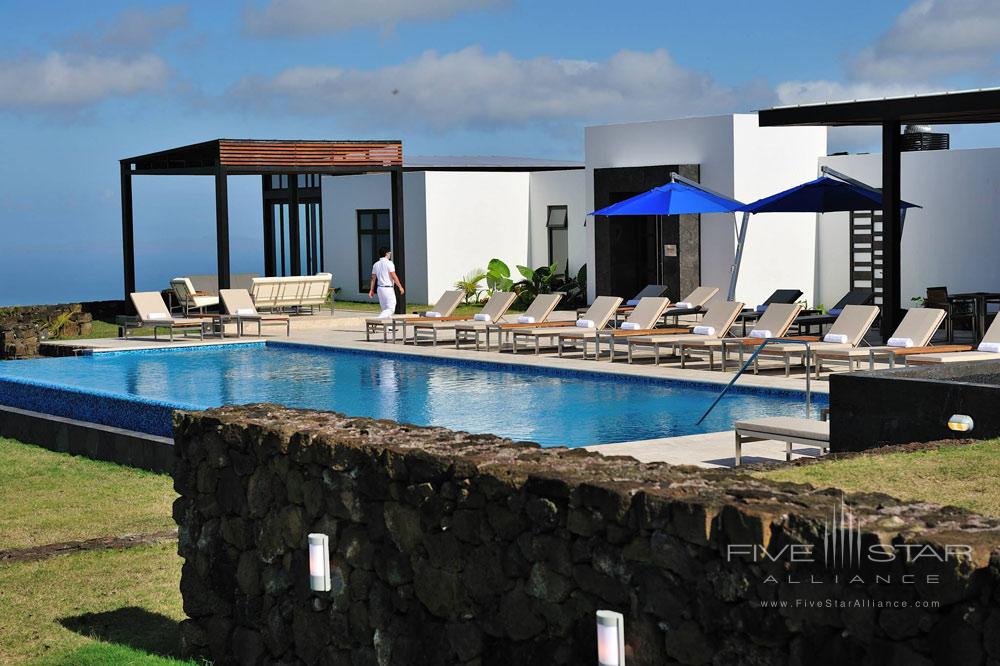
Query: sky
[{"x": 83, "y": 85}]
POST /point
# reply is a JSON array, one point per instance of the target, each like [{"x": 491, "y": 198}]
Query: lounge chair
[
  {"x": 715, "y": 324},
  {"x": 785, "y": 429},
  {"x": 780, "y": 296},
  {"x": 597, "y": 317},
  {"x": 988, "y": 350},
  {"x": 538, "y": 312},
  {"x": 495, "y": 308},
  {"x": 912, "y": 336},
  {"x": 853, "y": 297},
  {"x": 444, "y": 307},
  {"x": 692, "y": 304},
  {"x": 773, "y": 323},
  {"x": 649, "y": 291},
  {"x": 152, "y": 311},
  {"x": 237, "y": 302},
  {"x": 190, "y": 298},
  {"x": 847, "y": 332},
  {"x": 642, "y": 319}
]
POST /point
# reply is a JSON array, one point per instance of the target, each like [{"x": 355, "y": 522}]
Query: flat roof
[
  {"x": 485, "y": 163},
  {"x": 256, "y": 156},
  {"x": 942, "y": 108}
]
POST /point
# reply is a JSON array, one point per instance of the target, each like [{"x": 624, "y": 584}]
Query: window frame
[
  {"x": 364, "y": 274},
  {"x": 549, "y": 227}
]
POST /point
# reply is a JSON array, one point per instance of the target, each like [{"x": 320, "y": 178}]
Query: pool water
[{"x": 551, "y": 407}]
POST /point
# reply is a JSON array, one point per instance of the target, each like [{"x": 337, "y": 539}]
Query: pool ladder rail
[{"x": 750, "y": 361}]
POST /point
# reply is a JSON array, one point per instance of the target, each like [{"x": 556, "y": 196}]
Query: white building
[{"x": 461, "y": 212}]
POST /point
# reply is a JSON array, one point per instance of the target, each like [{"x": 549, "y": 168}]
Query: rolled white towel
[
  {"x": 900, "y": 342},
  {"x": 760, "y": 333},
  {"x": 835, "y": 338},
  {"x": 991, "y": 347},
  {"x": 585, "y": 323},
  {"x": 159, "y": 315},
  {"x": 630, "y": 326},
  {"x": 632, "y": 301},
  {"x": 479, "y": 316},
  {"x": 247, "y": 312},
  {"x": 431, "y": 313},
  {"x": 684, "y": 305},
  {"x": 703, "y": 330},
  {"x": 525, "y": 319}
]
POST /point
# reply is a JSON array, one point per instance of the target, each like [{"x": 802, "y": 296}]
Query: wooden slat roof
[{"x": 263, "y": 156}]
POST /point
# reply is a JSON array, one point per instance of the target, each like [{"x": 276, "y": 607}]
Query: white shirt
[{"x": 381, "y": 270}]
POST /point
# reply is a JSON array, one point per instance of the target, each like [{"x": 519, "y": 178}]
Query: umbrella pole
[{"x": 740, "y": 241}]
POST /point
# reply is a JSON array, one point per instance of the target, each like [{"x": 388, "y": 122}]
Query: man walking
[{"x": 383, "y": 278}]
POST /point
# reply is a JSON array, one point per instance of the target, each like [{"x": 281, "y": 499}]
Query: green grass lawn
[
  {"x": 48, "y": 497},
  {"x": 964, "y": 476},
  {"x": 104, "y": 329}
]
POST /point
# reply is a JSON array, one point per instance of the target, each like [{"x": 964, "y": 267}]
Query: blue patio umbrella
[
  {"x": 825, "y": 194},
  {"x": 675, "y": 198}
]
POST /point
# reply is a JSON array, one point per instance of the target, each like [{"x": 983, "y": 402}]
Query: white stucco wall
[
  {"x": 952, "y": 241},
  {"x": 343, "y": 196},
  {"x": 707, "y": 142},
  {"x": 473, "y": 217},
  {"x": 558, "y": 188},
  {"x": 780, "y": 249}
]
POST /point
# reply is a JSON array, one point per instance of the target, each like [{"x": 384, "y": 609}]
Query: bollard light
[
  {"x": 610, "y": 638},
  {"x": 960, "y": 423},
  {"x": 319, "y": 563}
]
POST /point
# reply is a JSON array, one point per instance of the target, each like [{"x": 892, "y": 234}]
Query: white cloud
[
  {"x": 807, "y": 92},
  {"x": 58, "y": 81},
  {"x": 313, "y": 17},
  {"x": 131, "y": 30},
  {"x": 473, "y": 89},
  {"x": 934, "y": 39}
]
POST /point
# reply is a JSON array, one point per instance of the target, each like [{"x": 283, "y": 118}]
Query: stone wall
[
  {"x": 23, "y": 328},
  {"x": 449, "y": 548}
]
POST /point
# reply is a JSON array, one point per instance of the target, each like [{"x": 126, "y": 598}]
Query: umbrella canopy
[
  {"x": 823, "y": 195},
  {"x": 675, "y": 198}
]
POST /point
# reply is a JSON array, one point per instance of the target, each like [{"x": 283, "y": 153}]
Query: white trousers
[{"x": 387, "y": 299}]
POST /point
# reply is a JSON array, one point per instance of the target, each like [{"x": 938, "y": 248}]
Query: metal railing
[{"x": 752, "y": 359}]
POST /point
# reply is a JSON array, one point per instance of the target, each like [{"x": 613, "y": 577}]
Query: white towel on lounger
[
  {"x": 703, "y": 330},
  {"x": 684, "y": 305},
  {"x": 159, "y": 315},
  {"x": 991, "y": 347},
  {"x": 900, "y": 342},
  {"x": 479, "y": 316},
  {"x": 630, "y": 326},
  {"x": 760, "y": 333},
  {"x": 585, "y": 323},
  {"x": 525, "y": 319},
  {"x": 431, "y": 313},
  {"x": 245, "y": 312},
  {"x": 835, "y": 338}
]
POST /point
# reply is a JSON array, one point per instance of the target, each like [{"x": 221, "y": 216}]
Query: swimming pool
[{"x": 138, "y": 390}]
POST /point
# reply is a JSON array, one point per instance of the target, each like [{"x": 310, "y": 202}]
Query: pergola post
[
  {"x": 294, "y": 239},
  {"x": 222, "y": 226},
  {"x": 128, "y": 236},
  {"x": 891, "y": 228},
  {"x": 398, "y": 251}
]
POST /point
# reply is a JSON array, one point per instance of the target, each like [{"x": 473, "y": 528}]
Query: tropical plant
[
  {"x": 498, "y": 276},
  {"x": 535, "y": 281},
  {"x": 471, "y": 286}
]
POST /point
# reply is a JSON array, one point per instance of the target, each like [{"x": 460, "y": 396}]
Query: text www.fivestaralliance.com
[{"x": 845, "y": 603}]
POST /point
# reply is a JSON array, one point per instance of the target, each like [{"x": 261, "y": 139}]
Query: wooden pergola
[
  {"x": 221, "y": 158},
  {"x": 891, "y": 114}
]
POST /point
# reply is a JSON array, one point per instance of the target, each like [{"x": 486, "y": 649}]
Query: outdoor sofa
[{"x": 294, "y": 292}]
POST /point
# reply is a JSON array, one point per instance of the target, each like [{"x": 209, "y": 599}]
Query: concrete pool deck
[{"x": 704, "y": 450}]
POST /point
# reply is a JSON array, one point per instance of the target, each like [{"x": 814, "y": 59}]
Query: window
[
  {"x": 373, "y": 233},
  {"x": 558, "y": 237}
]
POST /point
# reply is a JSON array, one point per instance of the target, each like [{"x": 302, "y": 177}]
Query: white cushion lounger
[
  {"x": 238, "y": 303},
  {"x": 643, "y": 318},
  {"x": 189, "y": 298},
  {"x": 495, "y": 308},
  {"x": 850, "y": 326},
  {"x": 991, "y": 339},
  {"x": 598, "y": 314},
  {"x": 785, "y": 429},
  {"x": 539, "y": 310},
  {"x": 445, "y": 306},
  {"x": 718, "y": 320},
  {"x": 153, "y": 312},
  {"x": 916, "y": 329},
  {"x": 774, "y": 323}
]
